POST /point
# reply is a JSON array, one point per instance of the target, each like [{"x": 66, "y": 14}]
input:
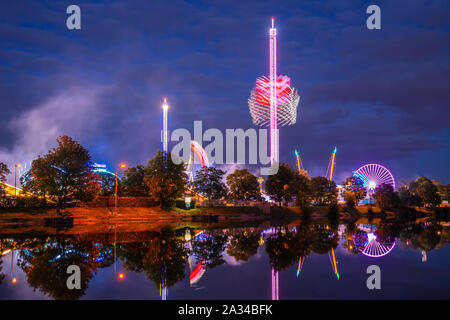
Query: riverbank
[{"x": 99, "y": 217}]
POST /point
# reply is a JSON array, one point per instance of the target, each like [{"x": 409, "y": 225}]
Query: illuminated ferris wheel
[
  {"x": 371, "y": 247},
  {"x": 374, "y": 175}
]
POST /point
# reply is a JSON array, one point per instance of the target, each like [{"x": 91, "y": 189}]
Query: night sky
[{"x": 382, "y": 96}]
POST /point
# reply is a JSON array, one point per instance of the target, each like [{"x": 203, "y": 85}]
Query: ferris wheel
[
  {"x": 371, "y": 247},
  {"x": 374, "y": 175}
]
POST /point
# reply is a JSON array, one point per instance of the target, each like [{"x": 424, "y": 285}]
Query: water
[{"x": 233, "y": 263}]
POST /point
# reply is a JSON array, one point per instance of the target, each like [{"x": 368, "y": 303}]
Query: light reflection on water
[{"x": 299, "y": 261}]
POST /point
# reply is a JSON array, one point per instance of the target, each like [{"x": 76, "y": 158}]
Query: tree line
[{"x": 65, "y": 175}]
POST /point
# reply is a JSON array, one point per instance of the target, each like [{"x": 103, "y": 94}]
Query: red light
[
  {"x": 123, "y": 165},
  {"x": 121, "y": 276},
  {"x": 263, "y": 90}
]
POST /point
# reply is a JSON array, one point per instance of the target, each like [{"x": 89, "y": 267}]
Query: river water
[{"x": 313, "y": 260}]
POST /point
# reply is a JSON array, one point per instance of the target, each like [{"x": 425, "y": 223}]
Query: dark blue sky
[{"x": 380, "y": 95}]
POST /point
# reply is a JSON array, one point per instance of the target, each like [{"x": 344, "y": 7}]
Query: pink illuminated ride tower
[{"x": 273, "y": 101}]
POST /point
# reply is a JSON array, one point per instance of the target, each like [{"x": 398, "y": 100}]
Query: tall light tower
[
  {"x": 273, "y": 102},
  {"x": 274, "y": 138},
  {"x": 275, "y": 285},
  {"x": 164, "y": 133}
]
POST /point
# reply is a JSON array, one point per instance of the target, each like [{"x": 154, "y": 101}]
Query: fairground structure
[
  {"x": 273, "y": 102},
  {"x": 372, "y": 176}
]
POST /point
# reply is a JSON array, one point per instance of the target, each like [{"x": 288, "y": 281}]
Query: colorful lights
[
  {"x": 121, "y": 166},
  {"x": 299, "y": 166},
  {"x": 301, "y": 260},
  {"x": 330, "y": 169},
  {"x": 197, "y": 274},
  {"x": 371, "y": 247},
  {"x": 374, "y": 175},
  {"x": 275, "y": 285},
  {"x": 5, "y": 252},
  {"x": 274, "y": 151},
  {"x": 273, "y": 102},
  {"x": 164, "y": 133},
  {"x": 261, "y": 241},
  {"x": 286, "y": 100},
  {"x": 260, "y": 181},
  {"x": 196, "y": 149},
  {"x": 334, "y": 264}
]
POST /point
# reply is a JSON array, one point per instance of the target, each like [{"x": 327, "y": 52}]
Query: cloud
[{"x": 72, "y": 112}]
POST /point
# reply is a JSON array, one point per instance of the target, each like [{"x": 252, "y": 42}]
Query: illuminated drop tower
[
  {"x": 273, "y": 102},
  {"x": 275, "y": 285},
  {"x": 274, "y": 138},
  {"x": 165, "y": 132}
]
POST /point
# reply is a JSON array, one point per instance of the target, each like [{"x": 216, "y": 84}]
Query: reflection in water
[{"x": 167, "y": 257}]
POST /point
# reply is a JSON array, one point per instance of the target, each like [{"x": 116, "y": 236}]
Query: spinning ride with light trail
[
  {"x": 196, "y": 149},
  {"x": 374, "y": 175},
  {"x": 273, "y": 101}
]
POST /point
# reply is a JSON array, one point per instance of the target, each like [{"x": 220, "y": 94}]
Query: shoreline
[{"x": 101, "y": 219}]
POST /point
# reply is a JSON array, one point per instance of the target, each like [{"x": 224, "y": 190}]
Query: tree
[
  {"x": 46, "y": 266},
  {"x": 64, "y": 173},
  {"x": 243, "y": 246},
  {"x": 4, "y": 171},
  {"x": 2, "y": 275},
  {"x": 164, "y": 179},
  {"x": 243, "y": 185},
  {"x": 208, "y": 182},
  {"x": 385, "y": 196},
  {"x": 413, "y": 185},
  {"x": 323, "y": 191},
  {"x": 408, "y": 199},
  {"x": 300, "y": 187},
  {"x": 426, "y": 190},
  {"x": 107, "y": 184},
  {"x": 210, "y": 249},
  {"x": 428, "y": 193},
  {"x": 277, "y": 185},
  {"x": 323, "y": 239},
  {"x": 443, "y": 190},
  {"x": 283, "y": 249},
  {"x": 354, "y": 190},
  {"x": 132, "y": 182}
]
